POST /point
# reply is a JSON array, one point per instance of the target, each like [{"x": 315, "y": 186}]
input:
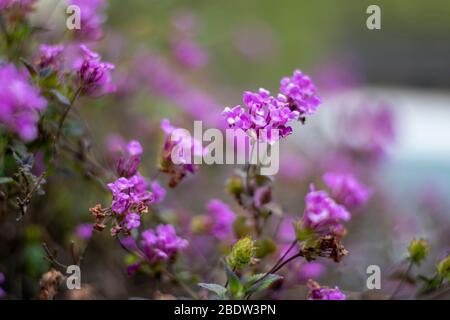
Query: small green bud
[
  {"x": 443, "y": 268},
  {"x": 418, "y": 250},
  {"x": 302, "y": 232},
  {"x": 241, "y": 254},
  {"x": 199, "y": 224},
  {"x": 235, "y": 186}
]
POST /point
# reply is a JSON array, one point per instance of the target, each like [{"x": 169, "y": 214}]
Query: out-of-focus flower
[
  {"x": 2, "y": 280},
  {"x": 132, "y": 221},
  {"x": 127, "y": 164},
  {"x": 93, "y": 75},
  {"x": 301, "y": 93},
  {"x": 159, "y": 193},
  {"x": 179, "y": 152},
  {"x": 418, "y": 250},
  {"x": 189, "y": 53},
  {"x": 310, "y": 270},
  {"x": 91, "y": 18},
  {"x": 322, "y": 213},
  {"x": 84, "y": 231},
  {"x": 346, "y": 189},
  {"x": 262, "y": 114},
  {"x": 162, "y": 243},
  {"x": 50, "y": 56},
  {"x": 443, "y": 268},
  {"x": 370, "y": 130},
  {"x": 20, "y": 103},
  {"x": 221, "y": 217},
  {"x": 168, "y": 83},
  {"x": 324, "y": 293},
  {"x": 23, "y": 5},
  {"x": 241, "y": 254}
]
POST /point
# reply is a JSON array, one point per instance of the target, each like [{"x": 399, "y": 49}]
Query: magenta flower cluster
[
  {"x": 93, "y": 74},
  {"x": 221, "y": 218},
  {"x": 263, "y": 113},
  {"x": 20, "y": 102},
  {"x": 301, "y": 93},
  {"x": 347, "y": 190},
  {"x": 130, "y": 198},
  {"x": 50, "y": 56},
  {"x": 322, "y": 213},
  {"x": 162, "y": 243}
]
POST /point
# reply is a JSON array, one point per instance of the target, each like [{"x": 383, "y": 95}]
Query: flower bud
[
  {"x": 241, "y": 254},
  {"x": 235, "y": 186},
  {"x": 418, "y": 250},
  {"x": 443, "y": 268}
]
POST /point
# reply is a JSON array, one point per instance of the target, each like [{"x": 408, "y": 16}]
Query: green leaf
[
  {"x": 236, "y": 288},
  {"x": 60, "y": 97},
  {"x": 5, "y": 180},
  {"x": 219, "y": 290},
  {"x": 254, "y": 283}
]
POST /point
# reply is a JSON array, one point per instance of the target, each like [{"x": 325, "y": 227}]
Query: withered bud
[{"x": 49, "y": 284}]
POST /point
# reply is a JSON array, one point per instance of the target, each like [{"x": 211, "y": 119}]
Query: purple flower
[
  {"x": 301, "y": 93},
  {"x": 91, "y": 18},
  {"x": 20, "y": 103},
  {"x": 179, "y": 151},
  {"x": 262, "y": 114},
  {"x": 324, "y": 293},
  {"x": 127, "y": 164},
  {"x": 222, "y": 218},
  {"x": 159, "y": 193},
  {"x": 93, "y": 74},
  {"x": 129, "y": 194},
  {"x": 346, "y": 189},
  {"x": 130, "y": 198},
  {"x": 310, "y": 270},
  {"x": 322, "y": 212},
  {"x": 50, "y": 56},
  {"x": 162, "y": 244},
  {"x": 84, "y": 231},
  {"x": 132, "y": 220}
]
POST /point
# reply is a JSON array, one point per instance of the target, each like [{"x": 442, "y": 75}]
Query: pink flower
[
  {"x": 222, "y": 218},
  {"x": 324, "y": 293},
  {"x": 84, "y": 231},
  {"x": 93, "y": 74},
  {"x": 346, "y": 189},
  {"x": 50, "y": 56},
  {"x": 322, "y": 213},
  {"x": 301, "y": 93},
  {"x": 20, "y": 102},
  {"x": 162, "y": 243},
  {"x": 159, "y": 193}
]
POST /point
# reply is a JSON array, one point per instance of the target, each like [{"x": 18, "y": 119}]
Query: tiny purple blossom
[
  {"x": 20, "y": 102},
  {"x": 324, "y": 293},
  {"x": 162, "y": 243},
  {"x": 322, "y": 212},
  {"x": 50, "y": 56},
  {"x": 93, "y": 74},
  {"x": 127, "y": 164},
  {"x": 301, "y": 93},
  {"x": 159, "y": 193},
  {"x": 222, "y": 218},
  {"x": 84, "y": 231},
  {"x": 132, "y": 220},
  {"x": 346, "y": 189},
  {"x": 261, "y": 115}
]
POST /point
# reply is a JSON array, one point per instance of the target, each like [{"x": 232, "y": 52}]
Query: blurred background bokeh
[{"x": 385, "y": 117}]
